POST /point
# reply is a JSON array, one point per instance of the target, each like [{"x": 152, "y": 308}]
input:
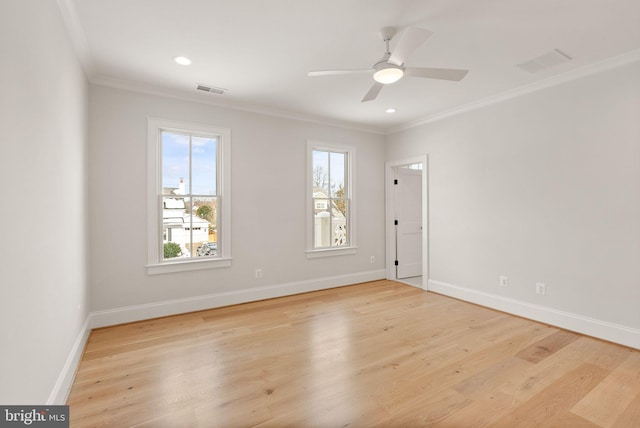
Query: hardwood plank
[
  {"x": 547, "y": 346},
  {"x": 600, "y": 353},
  {"x": 528, "y": 383},
  {"x": 630, "y": 417},
  {"x": 373, "y": 354},
  {"x": 491, "y": 378},
  {"x": 569, "y": 420},
  {"x": 611, "y": 397},
  {"x": 428, "y": 409},
  {"x": 556, "y": 400},
  {"x": 481, "y": 412}
]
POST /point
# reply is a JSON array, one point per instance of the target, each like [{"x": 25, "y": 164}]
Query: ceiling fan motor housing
[{"x": 387, "y": 33}]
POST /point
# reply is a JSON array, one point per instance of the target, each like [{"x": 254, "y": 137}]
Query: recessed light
[
  {"x": 182, "y": 60},
  {"x": 391, "y": 110}
]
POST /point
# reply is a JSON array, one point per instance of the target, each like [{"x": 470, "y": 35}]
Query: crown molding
[
  {"x": 587, "y": 70},
  {"x": 76, "y": 35},
  {"x": 149, "y": 89}
]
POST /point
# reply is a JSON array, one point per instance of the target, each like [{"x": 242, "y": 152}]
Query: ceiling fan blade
[
  {"x": 454, "y": 74},
  {"x": 373, "y": 92},
  {"x": 336, "y": 72},
  {"x": 409, "y": 42}
]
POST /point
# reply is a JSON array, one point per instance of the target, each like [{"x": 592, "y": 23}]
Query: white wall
[
  {"x": 268, "y": 208},
  {"x": 541, "y": 188},
  {"x": 43, "y": 251}
]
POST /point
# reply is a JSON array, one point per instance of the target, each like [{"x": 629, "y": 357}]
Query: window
[
  {"x": 188, "y": 196},
  {"x": 331, "y": 210}
]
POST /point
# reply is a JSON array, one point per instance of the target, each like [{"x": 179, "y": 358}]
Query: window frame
[
  {"x": 155, "y": 261},
  {"x": 312, "y": 252}
]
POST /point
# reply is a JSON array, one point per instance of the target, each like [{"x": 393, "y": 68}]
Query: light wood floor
[{"x": 373, "y": 354}]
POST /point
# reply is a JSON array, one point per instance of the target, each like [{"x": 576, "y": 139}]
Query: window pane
[
  {"x": 203, "y": 165},
  {"x": 321, "y": 172},
  {"x": 321, "y": 223},
  {"x": 330, "y": 223},
  {"x": 339, "y": 224},
  {"x": 175, "y": 234},
  {"x": 187, "y": 231},
  {"x": 175, "y": 164},
  {"x": 337, "y": 174},
  {"x": 205, "y": 231}
]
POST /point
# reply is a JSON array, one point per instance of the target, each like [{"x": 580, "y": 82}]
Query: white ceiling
[{"x": 262, "y": 50}]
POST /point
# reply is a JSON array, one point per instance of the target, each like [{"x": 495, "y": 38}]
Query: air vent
[
  {"x": 211, "y": 89},
  {"x": 544, "y": 61}
]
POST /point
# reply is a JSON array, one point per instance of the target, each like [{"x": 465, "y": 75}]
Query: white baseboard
[
  {"x": 63, "y": 384},
  {"x": 198, "y": 303},
  {"x": 592, "y": 327}
]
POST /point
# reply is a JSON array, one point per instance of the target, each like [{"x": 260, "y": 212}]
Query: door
[{"x": 408, "y": 191}]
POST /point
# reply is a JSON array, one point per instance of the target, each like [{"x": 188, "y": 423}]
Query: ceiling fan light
[{"x": 388, "y": 75}]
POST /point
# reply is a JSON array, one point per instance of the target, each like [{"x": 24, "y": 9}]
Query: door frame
[{"x": 390, "y": 230}]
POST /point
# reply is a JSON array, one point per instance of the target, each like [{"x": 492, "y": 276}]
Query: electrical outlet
[
  {"x": 372, "y": 259},
  {"x": 258, "y": 273},
  {"x": 504, "y": 281},
  {"x": 541, "y": 288}
]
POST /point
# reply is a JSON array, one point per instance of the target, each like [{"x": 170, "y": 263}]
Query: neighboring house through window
[
  {"x": 188, "y": 200},
  {"x": 331, "y": 209}
]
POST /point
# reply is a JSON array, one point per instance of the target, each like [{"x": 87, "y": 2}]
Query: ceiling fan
[{"x": 390, "y": 68}]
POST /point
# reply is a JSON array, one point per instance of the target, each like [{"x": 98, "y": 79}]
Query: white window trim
[
  {"x": 311, "y": 252},
  {"x": 155, "y": 264}
]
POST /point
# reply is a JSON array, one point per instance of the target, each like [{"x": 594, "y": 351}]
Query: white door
[{"x": 408, "y": 192}]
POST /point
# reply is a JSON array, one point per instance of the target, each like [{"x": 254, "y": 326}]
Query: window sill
[
  {"x": 330, "y": 252},
  {"x": 185, "y": 266}
]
